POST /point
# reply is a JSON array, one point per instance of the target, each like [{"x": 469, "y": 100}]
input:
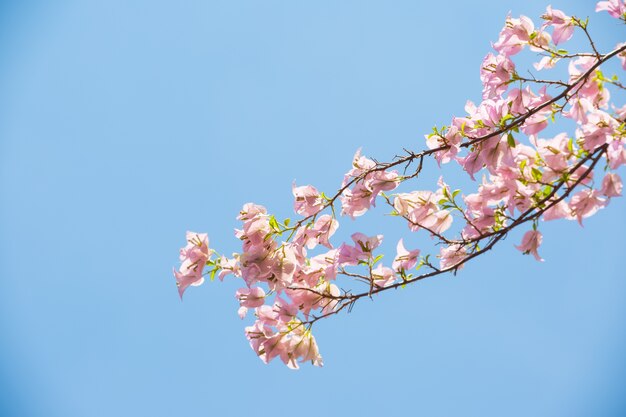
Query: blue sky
[{"x": 124, "y": 124}]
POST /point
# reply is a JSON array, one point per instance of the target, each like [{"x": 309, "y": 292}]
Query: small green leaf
[
  {"x": 274, "y": 224},
  {"x": 537, "y": 175},
  {"x": 510, "y": 140}
]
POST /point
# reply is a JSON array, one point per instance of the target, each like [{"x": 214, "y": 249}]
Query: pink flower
[
  {"x": 308, "y": 200},
  {"x": 357, "y": 201},
  {"x": 558, "y": 211},
  {"x": 229, "y": 266},
  {"x": 616, "y": 154},
  {"x": 535, "y": 124},
  {"x": 598, "y": 130},
  {"x": 249, "y": 298},
  {"x": 562, "y": 24},
  {"x": 325, "y": 226},
  {"x": 616, "y": 8},
  {"x": 530, "y": 243},
  {"x": 193, "y": 258},
  {"x": 452, "y": 256},
  {"x": 291, "y": 343},
  {"x": 579, "y": 109},
  {"x": 611, "y": 185},
  {"x": 586, "y": 203},
  {"x": 361, "y": 251},
  {"x": 383, "y": 276},
  {"x": 452, "y": 140},
  {"x": 545, "y": 62},
  {"x": 495, "y": 73},
  {"x": 405, "y": 259},
  {"x": 421, "y": 209},
  {"x": 514, "y": 35},
  {"x": 360, "y": 164}
]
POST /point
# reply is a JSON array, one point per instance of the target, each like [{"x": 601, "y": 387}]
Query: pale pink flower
[
  {"x": 229, "y": 266},
  {"x": 325, "y": 226},
  {"x": 355, "y": 202},
  {"x": 320, "y": 296},
  {"x": 558, "y": 211},
  {"x": 616, "y": 154},
  {"x": 546, "y": 62},
  {"x": 611, "y": 185},
  {"x": 360, "y": 164},
  {"x": 562, "y": 24},
  {"x": 320, "y": 267},
  {"x": 308, "y": 200},
  {"x": 251, "y": 210},
  {"x": 362, "y": 250},
  {"x": 290, "y": 343},
  {"x": 534, "y": 124},
  {"x": 193, "y": 257},
  {"x": 452, "y": 256},
  {"x": 579, "y": 109},
  {"x": 378, "y": 181},
  {"x": 514, "y": 35},
  {"x": 383, "y": 276},
  {"x": 598, "y": 130},
  {"x": 616, "y": 8},
  {"x": 495, "y": 73},
  {"x": 284, "y": 267},
  {"x": 249, "y": 298},
  {"x": 530, "y": 243},
  {"x": 451, "y": 140},
  {"x": 404, "y": 259},
  {"x": 586, "y": 203}
]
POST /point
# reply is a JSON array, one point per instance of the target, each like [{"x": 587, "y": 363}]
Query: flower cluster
[{"x": 291, "y": 272}]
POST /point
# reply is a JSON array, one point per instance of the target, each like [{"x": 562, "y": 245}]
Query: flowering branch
[{"x": 525, "y": 179}]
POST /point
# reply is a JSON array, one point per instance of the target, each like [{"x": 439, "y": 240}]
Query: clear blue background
[{"x": 125, "y": 123}]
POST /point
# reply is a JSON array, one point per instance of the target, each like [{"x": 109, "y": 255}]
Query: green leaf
[
  {"x": 510, "y": 140},
  {"x": 537, "y": 175},
  {"x": 274, "y": 223}
]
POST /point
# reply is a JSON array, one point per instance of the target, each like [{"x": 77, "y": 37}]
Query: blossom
[
  {"x": 616, "y": 8},
  {"x": 611, "y": 185},
  {"x": 404, "y": 259},
  {"x": 450, "y": 143},
  {"x": 193, "y": 257},
  {"x": 308, "y": 200},
  {"x": 586, "y": 203},
  {"x": 249, "y": 298},
  {"x": 421, "y": 209},
  {"x": 530, "y": 243},
  {"x": 563, "y": 25},
  {"x": 514, "y": 35},
  {"x": 362, "y": 250},
  {"x": 495, "y": 73},
  {"x": 452, "y": 256},
  {"x": 545, "y": 62},
  {"x": 383, "y": 276}
]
